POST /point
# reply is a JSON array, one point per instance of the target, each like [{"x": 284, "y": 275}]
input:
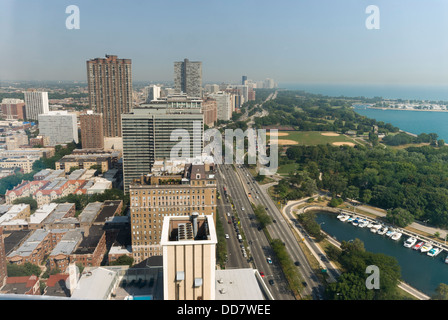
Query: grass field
[
  {"x": 310, "y": 138},
  {"x": 307, "y": 138}
]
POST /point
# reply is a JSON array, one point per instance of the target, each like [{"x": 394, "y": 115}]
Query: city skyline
[{"x": 311, "y": 42}]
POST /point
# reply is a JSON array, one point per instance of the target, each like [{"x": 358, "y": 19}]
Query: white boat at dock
[
  {"x": 396, "y": 236},
  {"x": 355, "y": 222},
  {"x": 434, "y": 252},
  {"x": 363, "y": 223},
  {"x": 410, "y": 242},
  {"x": 371, "y": 224},
  {"x": 375, "y": 227},
  {"x": 426, "y": 247},
  {"x": 383, "y": 230},
  {"x": 339, "y": 216},
  {"x": 390, "y": 232}
]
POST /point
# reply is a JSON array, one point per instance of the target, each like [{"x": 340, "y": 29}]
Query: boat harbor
[{"x": 413, "y": 241}]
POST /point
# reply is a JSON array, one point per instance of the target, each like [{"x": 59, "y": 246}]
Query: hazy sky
[{"x": 313, "y": 41}]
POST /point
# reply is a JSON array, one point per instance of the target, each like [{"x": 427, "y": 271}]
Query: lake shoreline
[{"x": 377, "y": 108}]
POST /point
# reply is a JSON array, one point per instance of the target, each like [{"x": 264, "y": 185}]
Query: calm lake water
[
  {"x": 411, "y": 121},
  {"x": 417, "y": 269}
]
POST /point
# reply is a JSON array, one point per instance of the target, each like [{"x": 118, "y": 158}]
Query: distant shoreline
[{"x": 377, "y": 108}]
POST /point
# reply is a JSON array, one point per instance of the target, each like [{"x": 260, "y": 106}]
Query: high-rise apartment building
[
  {"x": 110, "y": 90},
  {"x": 13, "y": 109},
  {"x": 160, "y": 195},
  {"x": 60, "y": 126},
  {"x": 244, "y": 80},
  {"x": 189, "y": 257},
  {"x": 36, "y": 103},
  {"x": 91, "y": 130},
  {"x": 224, "y": 105},
  {"x": 148, "y": 130},
  {"x": 188, "y": 78},
  {"x": 210, "y": 111},
  {"x": 152, "y": 92}
]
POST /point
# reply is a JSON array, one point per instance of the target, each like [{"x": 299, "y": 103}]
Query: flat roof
[
  {"x": 237, "y": 284},
  {"x": 14, "y": 238},
  {"x": 90, "y": 212},
  {"x": 30, "y": 244},
  {"x": 68, "y": 242},
  {"x": 107, "y": 211},
  {"x": 95, "y": 284},
  {"x": 90, "y": 242}
]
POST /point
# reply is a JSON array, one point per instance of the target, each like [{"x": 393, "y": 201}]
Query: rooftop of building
[
  {"x": 108, "y": 211},
  {"x": 192, "y": 229},
  {"x": 57, "y": 285},
  {"x": 238, "y": 284},
  {"x": 178, "y": 172},
  {"x": 19, "y": 285},
  {"x": 90, "y": 212},
  {"x": 90, "y": 242},
  {"x": 89, "y": 157},
  {"x": 95, "y": 284},
  {"x": 68, "y": 243},
  {"x": 13, "y": 239},
  {"x": 34, "y": 240}
]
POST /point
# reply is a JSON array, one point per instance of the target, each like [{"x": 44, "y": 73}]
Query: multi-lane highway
[
  {"x": 280, "y": 229},
  {"x": 239, "y": 183},
  {"x": 258, "y": 247}
]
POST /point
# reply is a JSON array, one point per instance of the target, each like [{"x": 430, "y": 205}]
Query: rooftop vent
[{"x": 185, "y": 231}]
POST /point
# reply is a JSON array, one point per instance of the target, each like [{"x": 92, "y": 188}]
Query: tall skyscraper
[
  {"x": 244, "y": 80},
  {"x": 147, "y": 133},
  {"x": 188, "y": 77},
  {"x": 110, "y": 90},
  {"x": 36, "y": 103},
  {"x": 92, "y": 136}
]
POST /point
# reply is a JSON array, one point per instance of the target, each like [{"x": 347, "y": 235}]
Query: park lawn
[{"x": 285, "y": 169}]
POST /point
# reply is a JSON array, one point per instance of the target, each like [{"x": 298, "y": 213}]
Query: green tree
[
  {"x": 350, "y": 286},
  {"x": 441, "y": 292},
  {"x": 122, "y": 261},
  {"x": 352, "y": 192},
  {"x": 27, "y": 200},
  {"x": 27, "y": 269},
  {"x": 366, "y": 196},
  {"x": 263, "y": 218},
  {"x": 400, "y": 217}
]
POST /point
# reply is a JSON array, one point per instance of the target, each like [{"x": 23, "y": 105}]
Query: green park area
[
  {"x": 308, "y": 138},
  {"x": 311, "y": 138}
]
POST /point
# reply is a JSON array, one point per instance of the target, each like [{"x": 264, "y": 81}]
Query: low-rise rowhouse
[
  {"x": 44, "y": 192},
  {"x": 28, "y": 285},
  {"x": 36, "y": 247},
  {"x": 25, "y": 163},
  {"x": 85, "y": 160}
]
